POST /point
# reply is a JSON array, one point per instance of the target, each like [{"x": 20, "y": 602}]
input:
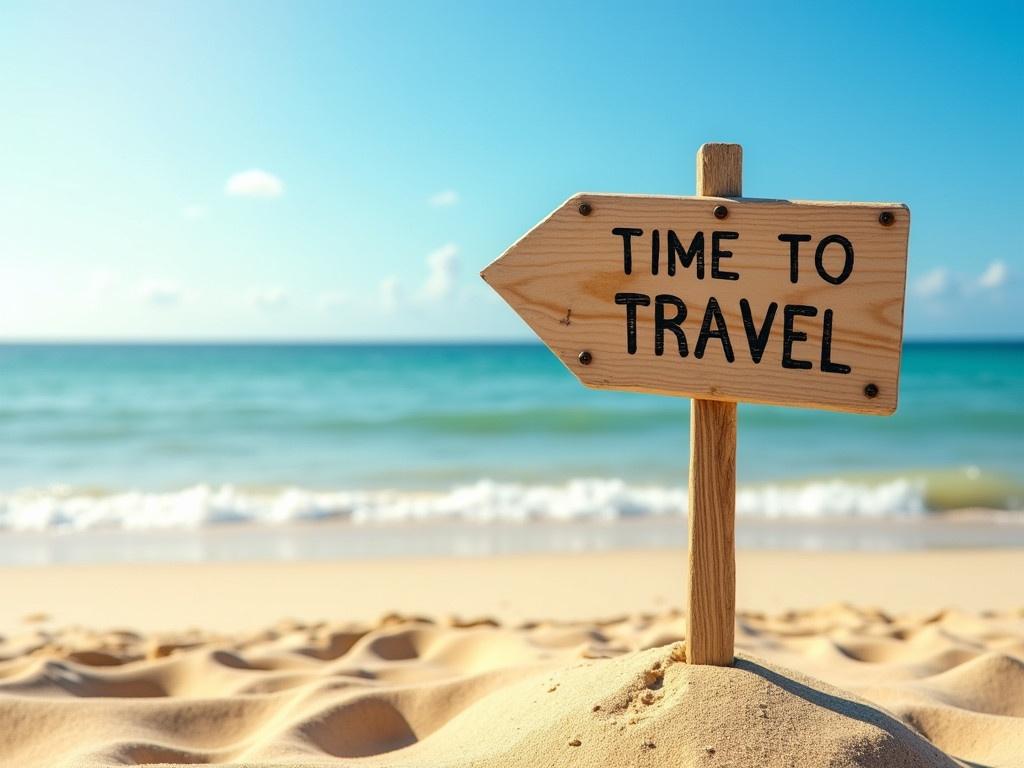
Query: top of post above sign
[{"x": 767, "y": 301}]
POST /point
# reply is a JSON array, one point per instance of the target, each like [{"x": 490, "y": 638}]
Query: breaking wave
[{"x": 484, "y": 501}]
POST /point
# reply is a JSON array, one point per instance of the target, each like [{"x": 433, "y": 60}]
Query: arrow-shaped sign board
[
  {"x": 721, "y": 299},
  {"x": 734, "y": 299}
]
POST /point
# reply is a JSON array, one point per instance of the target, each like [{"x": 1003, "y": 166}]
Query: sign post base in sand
[{"x": 724, "y": 300}]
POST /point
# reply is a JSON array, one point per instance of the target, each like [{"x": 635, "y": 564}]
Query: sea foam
[{"x": 484, "y": 501}]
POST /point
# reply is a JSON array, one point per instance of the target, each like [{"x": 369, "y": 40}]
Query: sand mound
[
  {"x": 651, "y": 708},
  {"x": 913, "y": 691}
]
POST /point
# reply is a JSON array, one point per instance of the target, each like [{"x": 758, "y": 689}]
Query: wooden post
[{"x": 711, "y": 573}]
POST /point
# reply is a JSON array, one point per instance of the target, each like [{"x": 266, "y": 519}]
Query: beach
[
  {"x": 452, "y": 555},
  {"x": 511, "y": 386},
  {"x": 843, "y": 658}
]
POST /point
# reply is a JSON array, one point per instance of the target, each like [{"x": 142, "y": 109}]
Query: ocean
[{"x": 168, "y": 436}]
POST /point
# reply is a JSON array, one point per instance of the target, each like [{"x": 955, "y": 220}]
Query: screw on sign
[{"x": 722, "y": 299}]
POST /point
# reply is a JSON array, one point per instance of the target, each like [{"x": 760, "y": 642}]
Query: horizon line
[{"x": 341, "y": 341}]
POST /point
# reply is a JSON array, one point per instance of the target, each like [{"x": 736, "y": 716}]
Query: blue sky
[{"x": 344, "y": 170}]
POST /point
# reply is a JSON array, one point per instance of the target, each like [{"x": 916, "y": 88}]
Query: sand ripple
[{"x": 838, "y": 686}]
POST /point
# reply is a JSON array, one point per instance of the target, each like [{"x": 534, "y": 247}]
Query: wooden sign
[
  {"x": 722, "y": 299},
  {"x": 766, "y": 301}
]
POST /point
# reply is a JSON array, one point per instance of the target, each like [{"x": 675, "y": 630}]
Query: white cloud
[
  {"x": 942, "y": 283},
  {"x": 193, "y": 212},
  {"x": 932, "y": 284},
  {"x": 443, "y": 264},
  {"x": 269, "y": 298},
  {"x": 160, "y": 293},
  {"x": 994, "y": 276},
  {"x": 446, "y": 198},
  {"x": 388, "y": 293},
  {"x": 254, "y": 183}
]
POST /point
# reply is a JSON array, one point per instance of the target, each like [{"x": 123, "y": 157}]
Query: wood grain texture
[
  {"x": 720, "y": 170},
  {"x": 562, "y": 278},
  {"x": 711, "y": 568},
  {"x": 711, "y": 562}
]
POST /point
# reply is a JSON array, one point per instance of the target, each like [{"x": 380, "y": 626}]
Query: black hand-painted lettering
[
  {"x": 686, "y": 255},
  {"x": 757, "y": 339},
  {"x": 794, "y": 253},
  {"x": 632, "y": 301},
  {"x": 789, "y": 335},
  {"x": 662, "y": 323},
  {"x": 721, "y": 332},
  {"x": 819, "y": 259},
  {"x": 655, "y": 251},
  {"x": 826, "y": 347},
  {"x": 717, "y": 253},
  {"x": 627, "y": 233}
]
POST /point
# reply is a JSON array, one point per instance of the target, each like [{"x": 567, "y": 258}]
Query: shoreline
[
  {"x": 339, "y": 540},
  {"x": 507, "y": 589}
]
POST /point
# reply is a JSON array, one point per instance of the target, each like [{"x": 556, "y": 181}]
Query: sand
[{"x": 596, "y": 677}]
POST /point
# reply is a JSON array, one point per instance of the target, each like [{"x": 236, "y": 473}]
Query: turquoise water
[{"x": 93, "y": 421}]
